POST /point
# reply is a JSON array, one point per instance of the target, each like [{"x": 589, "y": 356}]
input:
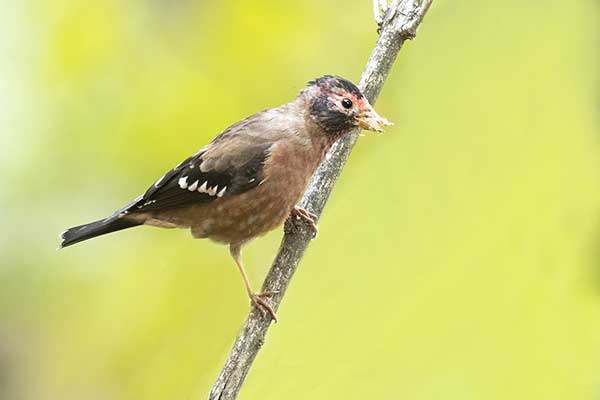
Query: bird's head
[{"x": 337, "y": 105}]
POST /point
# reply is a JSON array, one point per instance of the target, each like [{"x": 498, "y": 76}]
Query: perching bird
[{"x": 248, "y": 179}]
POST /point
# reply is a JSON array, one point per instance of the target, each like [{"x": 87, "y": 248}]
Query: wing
[
  {"x": 232, "y": 163},
  {"x": 225, "y": 167}
]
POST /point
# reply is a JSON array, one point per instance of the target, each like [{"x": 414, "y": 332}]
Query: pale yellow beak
[{"x": 371, "y": 121}]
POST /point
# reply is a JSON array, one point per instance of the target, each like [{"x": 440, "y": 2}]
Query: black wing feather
[{"x": 167, "y": 193}]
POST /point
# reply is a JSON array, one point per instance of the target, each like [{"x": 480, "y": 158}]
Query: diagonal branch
[{"x": 400, "y": 22}]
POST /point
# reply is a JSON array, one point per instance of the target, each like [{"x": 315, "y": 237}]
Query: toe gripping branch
[{"x": 301, "y": 214}]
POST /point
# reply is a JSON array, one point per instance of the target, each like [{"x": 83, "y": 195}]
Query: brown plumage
[{"x": 248, "y": 179}]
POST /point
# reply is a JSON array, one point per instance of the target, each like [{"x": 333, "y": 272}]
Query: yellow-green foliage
[{"x": 458, "y": 257}]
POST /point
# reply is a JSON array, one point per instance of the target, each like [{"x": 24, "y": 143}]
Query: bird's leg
[
  {"x": 299, "y": 213},
  {"x": 258, "y": 299}
]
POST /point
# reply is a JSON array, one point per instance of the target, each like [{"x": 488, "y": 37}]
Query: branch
[{"x": 399, "y": 23}]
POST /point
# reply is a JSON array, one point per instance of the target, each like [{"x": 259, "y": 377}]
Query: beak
[{"x": 370, "y": 120}]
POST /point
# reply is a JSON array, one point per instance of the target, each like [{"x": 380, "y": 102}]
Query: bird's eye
[{"x": 347, "y": 103}]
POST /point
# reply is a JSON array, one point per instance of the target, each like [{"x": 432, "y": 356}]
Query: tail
[{"x": 84, "y": 232}]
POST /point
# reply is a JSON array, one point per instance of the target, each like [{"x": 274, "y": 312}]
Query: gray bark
[{"x": 400, "y": 22}]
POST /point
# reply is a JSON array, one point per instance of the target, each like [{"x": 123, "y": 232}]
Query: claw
[
  {"x": 299, "y": 213},
  {"x": 262, "y": 305}
]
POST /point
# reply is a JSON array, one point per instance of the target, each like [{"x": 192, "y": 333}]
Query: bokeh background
[{"x": 458, "y": 257}]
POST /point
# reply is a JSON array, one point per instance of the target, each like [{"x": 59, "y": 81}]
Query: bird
[{"x": 248, "y": 180}]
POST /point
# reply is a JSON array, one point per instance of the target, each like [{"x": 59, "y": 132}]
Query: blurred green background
[{"x": 459, "y": 254}]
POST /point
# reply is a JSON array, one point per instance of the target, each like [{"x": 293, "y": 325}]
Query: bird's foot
[
  {"x": 258, "y": 299},
  {"x": 299, "y": 213}
]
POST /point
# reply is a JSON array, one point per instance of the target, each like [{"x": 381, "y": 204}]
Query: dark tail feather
[{"x": 84, "y": 232}]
